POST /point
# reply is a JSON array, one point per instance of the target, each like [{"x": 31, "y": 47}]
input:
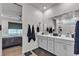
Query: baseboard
[{"x": 11, "y": 46}]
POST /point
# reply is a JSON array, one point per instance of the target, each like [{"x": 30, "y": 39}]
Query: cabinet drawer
[
  {"x": 60, "y": 49},
  {"x": 70, "y": 50},
  {"x": 51, "y": 46},
  {"x": 44, "y": 43}
]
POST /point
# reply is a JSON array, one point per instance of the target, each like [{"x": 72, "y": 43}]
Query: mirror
[{"x": 66, "y": 22}]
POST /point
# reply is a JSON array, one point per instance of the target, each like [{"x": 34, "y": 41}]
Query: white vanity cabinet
[
  {"x": 57, "y": 45},
  {"x": 70, "y": 50},
  {"x": 60, "y": 48},
  {"x": 64, "y": 47},
  {"x": 51, "y": 45},
  {"x": 39, "y": 41},
  {"x": 42, "y": 42}
]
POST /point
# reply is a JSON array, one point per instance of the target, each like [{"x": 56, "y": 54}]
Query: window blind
[{"x": 12, "y": 25}]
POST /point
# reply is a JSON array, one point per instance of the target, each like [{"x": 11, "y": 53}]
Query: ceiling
[{"x": 41, "y": 6}]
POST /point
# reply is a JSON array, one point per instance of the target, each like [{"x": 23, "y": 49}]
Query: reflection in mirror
[{"x": 66, "y": 22}]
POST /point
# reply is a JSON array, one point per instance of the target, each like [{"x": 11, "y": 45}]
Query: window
[
  {"x": 15, "y": 31},
  {"x": 14, "y": 28}
]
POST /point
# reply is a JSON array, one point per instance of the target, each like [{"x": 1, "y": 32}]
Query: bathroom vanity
[{"x": 60, "y": 46}]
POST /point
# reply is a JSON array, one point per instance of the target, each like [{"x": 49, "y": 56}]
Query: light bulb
[{"x": 44, "y": 7}]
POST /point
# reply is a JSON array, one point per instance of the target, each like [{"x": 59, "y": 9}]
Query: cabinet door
[
  {"x": 39, "y": 42},
  {"x": 44, "y": 43},
  {"x": 50, "y": 45},
  {"x": 60, "y": 49},
  {"x": 70, "y": 50}
]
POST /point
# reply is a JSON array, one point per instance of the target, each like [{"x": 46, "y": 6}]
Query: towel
[
  {"x": 47, "y": 29},
  {"x": 33, "y": 33},
  {"x": 50, "y": 30},
  {"x": 38, "y": 29},
  {"x": 76, "y": 46},
  {"x": 29, "y": 33}
]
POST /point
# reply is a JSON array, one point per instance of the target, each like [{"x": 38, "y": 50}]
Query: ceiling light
[{"x": 44, "y": 7}]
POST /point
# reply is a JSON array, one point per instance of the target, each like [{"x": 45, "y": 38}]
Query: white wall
[
  {"x": 60, "y": 9},
  {"x": 5, "y": 25},
  {"x": 30, "y": 16},
  {"x": 0, "y": 18},
  {"x": 10, "y": 13},
  {"x": 5, "y": 19},
  {"x": 0, "y": 31},
  {"x": 11, "y": 10}
]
